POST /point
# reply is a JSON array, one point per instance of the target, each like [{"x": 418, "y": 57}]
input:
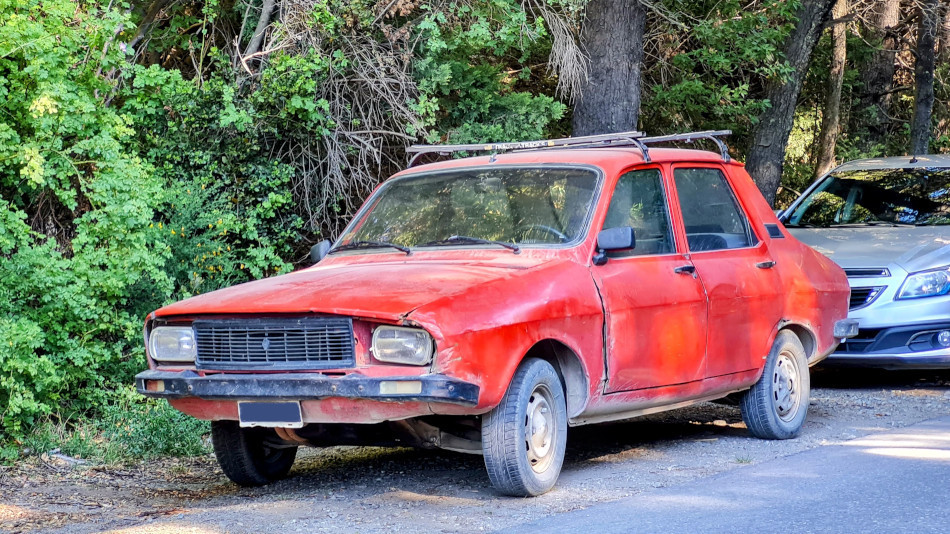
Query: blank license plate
[{"x": 285, "y": 414}]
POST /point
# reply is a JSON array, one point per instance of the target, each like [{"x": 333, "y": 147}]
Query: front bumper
[
  {"x": 898, "y": 347},
  {"x": 304, "y": 386}
]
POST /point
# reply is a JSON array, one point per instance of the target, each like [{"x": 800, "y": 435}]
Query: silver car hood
[{"x": 911, "y": 248}]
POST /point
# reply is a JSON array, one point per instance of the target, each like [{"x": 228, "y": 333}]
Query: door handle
[
  {"x": 765, "y": 264},
  {"x": 685, "y": 269}
]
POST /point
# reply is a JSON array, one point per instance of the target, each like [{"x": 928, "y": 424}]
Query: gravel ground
[{"x": 373, "y": 490}]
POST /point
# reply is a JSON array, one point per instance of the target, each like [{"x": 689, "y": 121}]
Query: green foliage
[
  {"x": 76, "y": 204},
  {"x": 718, "y": 65},
  {"x": 227, "y": 213},
  {"x": 465, "y": 75},
  {"x": 130, "y": 427}
]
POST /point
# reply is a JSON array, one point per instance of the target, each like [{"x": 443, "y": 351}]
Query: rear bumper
[{"x": 305, "y": 386}]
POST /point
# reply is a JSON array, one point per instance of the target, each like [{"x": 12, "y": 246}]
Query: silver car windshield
[
  {"x": 477, "y": 207},
  {"x": 917, "y": 196}
]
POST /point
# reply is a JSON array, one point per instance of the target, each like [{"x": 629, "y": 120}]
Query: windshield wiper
[
  {"x": 464, "y": 239},
  {"x": 370, "y": 244},
  {"x": 885, "y": 223}
]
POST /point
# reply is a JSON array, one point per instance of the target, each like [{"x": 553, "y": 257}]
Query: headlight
[
  {"x": 172, "y": 344},
  {"x": 926, "y": 284},
  {"x": 396, "y": 344}
]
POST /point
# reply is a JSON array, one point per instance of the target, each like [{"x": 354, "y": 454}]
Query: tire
[
  {"x": 776, "y": 406},
  {"x": 245, "y": 455},
  {"x": 524, "y": 437}
]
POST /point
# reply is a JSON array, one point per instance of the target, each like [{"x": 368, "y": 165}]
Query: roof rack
[{"x": 621, "y": 139}]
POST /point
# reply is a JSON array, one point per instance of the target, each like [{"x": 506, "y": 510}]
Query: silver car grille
[
  {"x": 275, "y": 343},
  {"x": 862, "y": 296},
  {"x": 867, "y": 272}
]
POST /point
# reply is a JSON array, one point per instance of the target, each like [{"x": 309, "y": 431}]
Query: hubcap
[
  {"x": 786, "y": 393},
  {"x": 540, "y": 429}
]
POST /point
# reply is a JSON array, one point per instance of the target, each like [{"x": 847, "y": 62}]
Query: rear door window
[{"x": 711, "y": 213}]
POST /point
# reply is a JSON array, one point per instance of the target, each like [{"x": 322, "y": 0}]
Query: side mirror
[
  {"x": 319, "y": 251},
  {"x": 611, "y": 239}
]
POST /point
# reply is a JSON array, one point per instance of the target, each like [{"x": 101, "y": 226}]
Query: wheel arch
[
  {"x": 569, "y": 369},
  {"x": 805, "y": 335}
]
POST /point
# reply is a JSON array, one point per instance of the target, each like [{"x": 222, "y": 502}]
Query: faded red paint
[{"x": 670, "y": 338}]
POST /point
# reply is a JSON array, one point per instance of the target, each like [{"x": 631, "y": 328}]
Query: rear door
[
  {"x": 655, "y": 308},
  {"x": 735, "y": 267}
]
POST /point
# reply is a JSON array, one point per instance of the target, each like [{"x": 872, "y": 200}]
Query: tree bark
[
  {"x": 262, "y": 23},
  {"x": 878, "y": 76},
  {"x": 924, "y": 77},
  {"x": 943, "y": 47},
  {"x": 770, "y": 136},
  {"x": 831, "y": 116},
  {"x": 612, "y": 35}
]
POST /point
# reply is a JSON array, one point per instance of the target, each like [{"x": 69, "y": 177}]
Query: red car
[{"x": 485, "y": 304}]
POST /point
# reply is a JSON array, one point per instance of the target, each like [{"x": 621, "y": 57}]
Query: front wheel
[
  {"x": 776, "y": 406},
  {"x": 524, "y": 437},
  {"x": 250, "y": 456}
]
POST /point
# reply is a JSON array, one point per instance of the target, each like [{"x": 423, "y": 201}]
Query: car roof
[
  {"x": 898, "y": 162},
  {"x": 601, "y": 157}
]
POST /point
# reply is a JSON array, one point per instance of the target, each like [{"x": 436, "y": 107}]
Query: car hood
[
  {"x": 912, "y": 249},
  {"x": 383, "y": 290}
]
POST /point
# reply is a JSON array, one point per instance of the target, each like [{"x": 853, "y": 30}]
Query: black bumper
[{"x": 305, "y": 386}]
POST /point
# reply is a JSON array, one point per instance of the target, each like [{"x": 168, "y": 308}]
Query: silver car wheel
[
  {"x": 785, "y": 391},
  {"x": 540, "y": 429}
]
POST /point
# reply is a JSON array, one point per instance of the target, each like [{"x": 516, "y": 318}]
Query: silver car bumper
[{"x": 898, "y": 347}]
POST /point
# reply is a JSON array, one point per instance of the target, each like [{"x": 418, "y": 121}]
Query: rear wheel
[
  {"x": 524, "y": 437},
  {"x": 250, "y": 456},
  {"x": 776, "y": 406}
]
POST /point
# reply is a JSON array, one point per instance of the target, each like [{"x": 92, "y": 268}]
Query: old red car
[{"x": 485, "y": 304}]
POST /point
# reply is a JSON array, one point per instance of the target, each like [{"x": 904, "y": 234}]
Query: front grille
[
  {"x": 862, "y": 296},
  {"x": 860, "y": 343},
  {"x": 297, "y": 343},
  {"x": 871, "y": 272}
]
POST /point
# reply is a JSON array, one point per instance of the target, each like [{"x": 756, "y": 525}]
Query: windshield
[
  {"x": 918, "y": 196},
  {"x": 468, "y": 207}
]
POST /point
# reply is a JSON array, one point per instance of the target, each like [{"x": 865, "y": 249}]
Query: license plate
[{"x": 272, "y": 414}]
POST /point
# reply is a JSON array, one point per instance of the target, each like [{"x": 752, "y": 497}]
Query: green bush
[
  {"x": 75, "y": 244},
  {"x": 130, "y": 427}
]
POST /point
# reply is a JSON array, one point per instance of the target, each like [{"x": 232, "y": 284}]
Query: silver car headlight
[
  {"x": 926, "y": 284},
  {"x": 172, "y": 344},
  {"x": 397, "y": 344}
]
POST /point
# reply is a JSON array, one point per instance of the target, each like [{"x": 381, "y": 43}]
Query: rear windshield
[{"x": 878, "y": 197}]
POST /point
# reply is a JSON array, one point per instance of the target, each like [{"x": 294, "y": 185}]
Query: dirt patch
[{"x": 373, "y": 490}]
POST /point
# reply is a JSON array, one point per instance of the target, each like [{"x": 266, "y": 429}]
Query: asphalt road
[{"x": 882, "y": 483}]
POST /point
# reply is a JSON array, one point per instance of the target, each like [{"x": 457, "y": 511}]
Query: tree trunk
[
  {"x": 943, "y": 47},
  {"x": 770, "y": 136},
  {"x": 831, "y": 115},
  {"x": 257, "y": 39},
  {"x": 924, "y": 78},
  {"x": 612, "y": 36},
  {"x": 878, "y": 76}
]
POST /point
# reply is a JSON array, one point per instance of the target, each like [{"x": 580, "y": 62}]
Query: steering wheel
[{"x": 527, "y": 229}]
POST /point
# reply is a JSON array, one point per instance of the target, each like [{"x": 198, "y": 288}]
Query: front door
[{"x": 655, "y": 306}]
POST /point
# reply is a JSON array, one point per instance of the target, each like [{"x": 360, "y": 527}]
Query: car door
[
  {"x": 655, "y": 316},
  {"x": 735, "y": 267}
]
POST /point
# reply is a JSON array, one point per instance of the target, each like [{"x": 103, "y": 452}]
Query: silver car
[{"x": 886, "y": 221}]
